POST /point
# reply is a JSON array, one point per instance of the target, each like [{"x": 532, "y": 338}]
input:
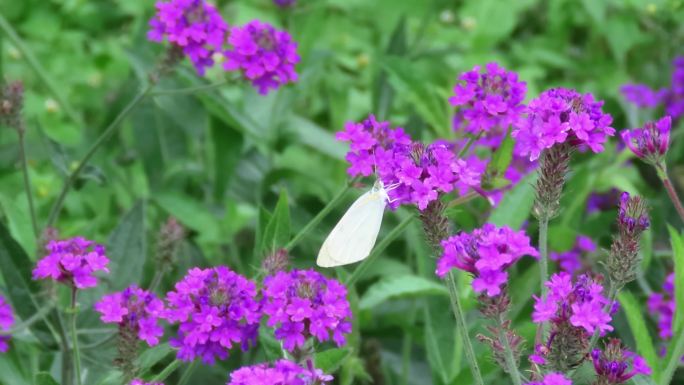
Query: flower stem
[
  {"x": 508, "y": 355},
  {"x": 57, "y": 207},
  {"x": 463, "y": 327},
  {"x": 170, "y": 368},
  {"x": 27, "y": 183},
  {"x": 191, "y": 90},
  {"x": 672, "y": 194},
  {"x": 74, "y": 337},
  {"x": 543, "y": 267}
]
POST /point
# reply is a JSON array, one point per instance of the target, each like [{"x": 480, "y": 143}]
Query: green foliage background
[{"x": 219, "y": 160}]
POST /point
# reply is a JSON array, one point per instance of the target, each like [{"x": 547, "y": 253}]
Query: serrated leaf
[
  {"x": 516, "y": 204},
  {"x": 644, "y": 343},
  {"x": 277, "y": 232},
  {"x": 404, "y": 286},
  {"x": 126, "y": 248},
  {"x": 330, "y": 360}
]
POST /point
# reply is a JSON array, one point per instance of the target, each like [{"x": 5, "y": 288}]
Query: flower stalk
[{"x": 76, "y": 354}]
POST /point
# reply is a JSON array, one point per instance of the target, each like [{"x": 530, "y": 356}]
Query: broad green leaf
[
  {"x": 644, "y": 343},
  {"x": 516, "y": 204},
  {"x": 501, "y": 159},
  {"x": 404, "y": 286},
  {"x": 432, "y": 346},
  {"x": 316, "y": 137},
  {"x": 677, "y": 242},
  {"x": 330, "y": 360},
  {"x": 262, "y": 221},
  {"x": 19, "y": 221},
  {"x": 148, "y": 126},
  {"x": 44, "y": 378},
  {"x": 153, "y": 355},
  {"x": 190, "y": 213},
  {"x": 126, "y": 248},
  {"x": 277, "y": 232},
  {"x": 383, "y": 94},
  {"x": 227, "y": 152}
]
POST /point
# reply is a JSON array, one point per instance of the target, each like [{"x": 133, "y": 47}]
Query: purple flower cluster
[
  {"x": 486, "y": 253},
  {"x": 6, "y": 323},
  {"x": 215, "y": 308},
  {"x": 562, "y": 115},
  {"x": 602, "y": 201},
  {"x": 266, "y": 56},
  {"x": 632, "y": 215},
  {"x": 141, "y": 382},
  {"x": 283, "y": 372},
  {"x": 304, "y": 303},
  {"x": 552, "y": 379},
  {"x": 642, "y": 95},
  {"x": 663, "y": 306},
  {"x": 418, "y": 172},
  {"x": 582, "y": 304},
  {"x": 616, "y": 365},
  {"x": 487, "y": 99},
  {"x": 571, "y": 261},
  {"x": 651, "y": 142},
  {"x": 195, "y": 26},
  {"x": 72, "y": 262},
  {"x": 135, "y": 309},
  {"x": 671, "y": 97}
]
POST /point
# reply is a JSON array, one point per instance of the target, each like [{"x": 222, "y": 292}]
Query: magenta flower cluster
[
  {"x": 649, "y": 143},
  {"x": 642, "y": 95},
  {"x": 562, "y": 115},
  {"x": 662, "y": 305},
  {"x": 582, "y": 304},
  {"x": 304, "y": 303},
  {"x": 616, "y": 365},
  {"x": 571, "y": 261},
  {"x": 6, "y": 323},
  {"x": 135, "y": 309},
  {"x": 282, "y": 372},
  {"x": 266, "y": 56},
  {"x": 488, "y": 98},
  {"x": 195, "y": 26},
  {"x": 671, "y": 97},
  {"x": 486, "y": 253},
  {"x": 552, "y": 379},
  {"x": 215, "y": 308},
  {"x": 418, "y": 173},
  {"x": 73, "y": 262}
]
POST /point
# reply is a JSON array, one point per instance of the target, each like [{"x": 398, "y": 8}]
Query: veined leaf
[{"x": 400, "y": 287}]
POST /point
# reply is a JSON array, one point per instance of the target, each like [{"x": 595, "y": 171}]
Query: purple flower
[
  {"x": 6, "y": 323},
  {"x": 486, "y": 253},
  {"x": 612, "y": 365},
  {"x": 651, "y": 142},
  {"x": 663, "y": 306},
  {"x": 141, "y": 382},
  {"x": 581, "y": 304},
  {"x": 216, "y": 308},
  {"x": 602, "y": 201},
  {"x": 304, "y": 303},
  {"x": 674, "y": 100},
  {"x": 571, "y": 261},
  {"x": 561, "y": 115},
  {"x": 488, "y": 99},
  {"x": 552, "y": 379},
  {"x": 642, "y": 95},
  {"x": 632, "y": 215},
  {"x": 134, "y": 309},
  {"x": 195, "y": 26},
  {"x": 284, "y": 3},
  {"x": 72, "y": 262},
  {"x": 266, "y": 56},
  {"x": 282, "y": 372}
]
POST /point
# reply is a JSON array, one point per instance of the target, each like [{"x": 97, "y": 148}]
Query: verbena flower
[
  {"x": 662, "y": 305},
  {"x": 419, "y": 173},
  {"x": 642, "y": 95},
  {"x": 552, "y": 379},
  {"x": 304, "y": 303},
  {"x": 488, "y": 98},
  {"x": 6, "y": 322},
  {"x": 486, "y": 253},
  {"x": 581, "y": 304},
  {"x": 216, "y": 309},
  {"x": 602, "y": 201},
  {"x": 571, "y": 261},
  {"x": 616, "y": 365},
  {"x": 282, "y": 372},
  {"x": 136, "y": 310},
  {"x": 562, "y": 115},
  {"x": 141, "y": 382},
  {"x": 265, "y": 55},
  {"x": 650, "y": 143},
  {"x": 73, "y": 262},
  {"x": 195, "y": 26}
]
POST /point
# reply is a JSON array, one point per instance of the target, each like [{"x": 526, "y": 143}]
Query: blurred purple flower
[
  {"x": 674, "y": 100},
  {"x": 266, "y": 56},
  {"x": 651, "y": 142},
  {"x": 282, "y": 372},
  {"x": 571, "y": 261},
  {"x": 216, "y": 308},
  {"x": 72, "y": 262},
  {"x": 642, "y": 95},
  {"x": 662, "y": 305},
  {"x": 602, "y": 201},
  {"x": 6, "y": 323},
  {"x": 134, "y": 309},
  {"x": 616, "y": 365},
  {"x": 284, "y": 3}
]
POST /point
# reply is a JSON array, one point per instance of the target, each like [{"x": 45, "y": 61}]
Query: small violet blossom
[
  {"x": 6, "y": 323},
  {"x": 552, "y": 379},
  {"x": 72, "y": 262},
  {"x": 616, "y": 365},
  {"x": 135, "y": 310},
  {"x": 642, "y": 95},
  {"x": 571, "y": 261},
  {"x": 282, "y": 372},
  {"x": 216, "y": 309},
  {"x": 194, "y": 26},
  {"x": 670, "y": 97},
  {"x": 486, "y": 253},
  {"x": 266, "y": 56},
  {"x": 651, "y": 142},
  {"x": 304, "y": 303}
]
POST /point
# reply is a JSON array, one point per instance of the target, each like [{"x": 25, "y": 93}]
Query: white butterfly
[{"x": 354, "y": 236}]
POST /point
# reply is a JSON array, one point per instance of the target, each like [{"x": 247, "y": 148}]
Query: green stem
[
  {"x": 379, "y": 248},
  {"x": 57, "y": 207},
  {"x": 38, "y": 68},
  {"x": 511, "y": 365},
  {"x": 74, "y": 337},
  {"x": 463, "y": 327},
  {"x": 662, "y": 172},
  {"x": 468, "y": 144},
  {"x": 27, "y": 183},
  {"x": 156, "y": 280},
  {"x": 170, "y": 368},
  {"x": 188, "y": 373},
  {"x": 39, "y": 316},
  {"x": 543, "y": 269},
  {"x": 190, "y": 90}
]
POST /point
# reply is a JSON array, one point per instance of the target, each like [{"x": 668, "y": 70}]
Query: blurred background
[{"x": 218, "y": 160}]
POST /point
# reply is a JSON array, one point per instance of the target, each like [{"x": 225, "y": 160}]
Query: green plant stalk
[
  {"x": 74, "y": 337},
  {"x": 170, "y": 368},
  {"x": 38, "y": 68},
  {"x": 463, "y": 327},
  {"x": 191, "y": 90},
  {"x": 27, "y": 184},
  {"x": 508, "y": 355},
  {"x": 543, "y": 268},
  {"x": 57, "y": 207},
  {"x": 667, "y": 183},
  {"x": 188, "y": 373}
]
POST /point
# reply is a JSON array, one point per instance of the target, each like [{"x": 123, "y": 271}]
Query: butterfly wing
[{"x": 354, "y": 236}]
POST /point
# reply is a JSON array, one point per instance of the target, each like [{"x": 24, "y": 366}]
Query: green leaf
[
  {"x": 432, "y": 345},
  {"x": 227, "y": 152},
  {"x": 44, "y": 378},
  {"x": 190, "y": 213},
  {"x": 19, "y": 220},
  {"x": 277, "y": 232},
  {"x": 16, "y": 272},
  {"x": 330, "y": 360},
  {"x": 516, "y": 204},
  {"x": 153, "y": 355},
  {"x": 268, "y": 342},
  {"x": 314, "y": 136},
  {"x": 501, "y": 158},
  {"x": 148, "y": 126},
  {"x": 644, "y": 343},
  {"x": 126, "y": 248},
  {"x": 404, "y": 286},
  {"x": 677, "y": 242}
]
